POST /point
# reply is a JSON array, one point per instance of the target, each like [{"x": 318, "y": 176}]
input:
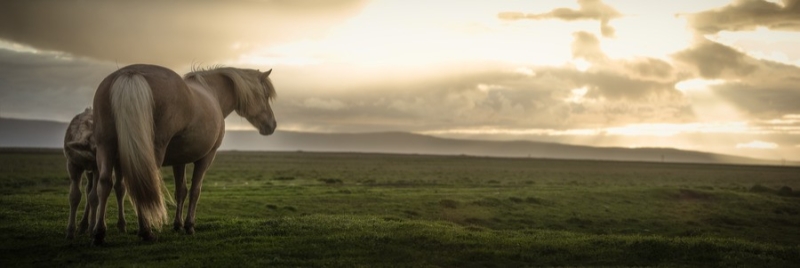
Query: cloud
[
  {"x": 744, "y": 15},
  {"x": 48, "y": 85},
  {"x": 760, "y": 88},
  {"x": 587, "y": 46},
  {"x": 650, "y": 68},
  {"x": 714, "y": 60},
  {"x": 588, "y": 10},
  {"x": 172, "y": 33},
  {"x": 544, "y": 97},
  {"x": 317, "y": 103},
  {"x": 757, "y": 144},
  {"x": 636, "y": 79}
]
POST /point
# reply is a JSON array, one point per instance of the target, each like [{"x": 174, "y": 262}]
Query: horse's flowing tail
[{"x": 132, "y": 104}]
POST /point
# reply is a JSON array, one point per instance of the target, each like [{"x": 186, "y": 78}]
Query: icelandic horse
[{"x": 147, "y": 116}]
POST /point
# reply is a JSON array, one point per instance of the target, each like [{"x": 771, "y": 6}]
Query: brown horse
[
  {"x": 146, "y": 116},
  {"x": 79, "y": 148}
]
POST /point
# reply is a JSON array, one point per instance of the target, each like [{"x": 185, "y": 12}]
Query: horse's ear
[{"x": 267, "y": 73}]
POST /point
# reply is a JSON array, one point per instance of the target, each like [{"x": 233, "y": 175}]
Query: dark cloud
[
  {"x": 650, "y": 68},
  {"x": 588, "y": 10},
  {"x": 762, "y": 101},
  {"x": 47, "y": 85},
  {"x": 747, "y": 15},
  {"x": 761, "y": 88},
  {"x": 714, "y": 60},
  {"x": 172, "y": 33}
]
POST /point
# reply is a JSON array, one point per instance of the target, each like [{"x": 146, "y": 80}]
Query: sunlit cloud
[
  {"x": 756, "y": 144},
  {"x": 525, "y": 71},
  {"x": 697, "y": 84},
  {"x": 581, "y": 65},
  {"x": 762, "y": 43},
  {"x": 659, "y": 130},
  {"x": 577, "y": 95},
  {"x": 324, "y": 104}
]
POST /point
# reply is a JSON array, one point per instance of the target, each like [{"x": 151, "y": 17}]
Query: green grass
[{"x": 369, "y": 210}]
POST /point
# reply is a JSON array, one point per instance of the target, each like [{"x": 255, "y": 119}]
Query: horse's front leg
[
  {"x": 75, "y": 173},
  {"x": 199, "y": 172},
  {"x": 104, "y": 185},
  {"x": 179, "y": 172},
  {"x": 119, "y": 190}
]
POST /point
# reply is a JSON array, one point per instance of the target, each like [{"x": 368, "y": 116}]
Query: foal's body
[
  {"x": 79, "y": 148},
  {"x": 148, "y": 116}
]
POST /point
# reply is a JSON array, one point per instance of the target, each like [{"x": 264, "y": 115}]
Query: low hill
[{"x": 49, "y": 134}]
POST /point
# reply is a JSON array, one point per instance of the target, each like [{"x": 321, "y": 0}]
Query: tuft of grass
[
  {"x": 785, "y": 191},
  {"x": 758, "y": 188},
  {"x": 515, "y": 199},
  {"x": 331, "y": 181},
  {"x": 449, "y": 203}
]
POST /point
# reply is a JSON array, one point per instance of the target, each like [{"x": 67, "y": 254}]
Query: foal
[{"x": 79, "y": 148}]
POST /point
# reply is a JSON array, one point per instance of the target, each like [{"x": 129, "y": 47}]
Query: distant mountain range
[{"x": 50, "y": 134}]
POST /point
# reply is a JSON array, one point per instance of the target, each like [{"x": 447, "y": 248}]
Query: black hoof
[
  {"x": 121, "y": 227},
  {"x": 148, "y": 237},
  {"x": 82, "y": 227},
  {"x": 189, "y": 229},
  {"x": 99, "y": 238}
]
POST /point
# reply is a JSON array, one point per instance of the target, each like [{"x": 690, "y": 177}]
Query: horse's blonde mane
[{"x": 249, "y": 90}]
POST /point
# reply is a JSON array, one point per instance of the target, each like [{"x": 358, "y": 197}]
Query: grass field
[{"x": 370, "y": 210}]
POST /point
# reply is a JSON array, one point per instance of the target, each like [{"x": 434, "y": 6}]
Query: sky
[{"x": 715, "y": 76}]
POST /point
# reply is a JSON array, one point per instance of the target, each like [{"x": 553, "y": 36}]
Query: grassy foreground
[{"x": 369, "y": 210}]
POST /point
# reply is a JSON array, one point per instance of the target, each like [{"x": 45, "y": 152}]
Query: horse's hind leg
[
  {"x": 119, "y": 190},
  {"x": 104, "y": 185},
  {"x": 88, "y": 210},
  {"x": 75, "y": 173},
  {"x": 94, "y": 178},
  {"x": 179, "y": 172},
  {"x": 200, "y": 168}
]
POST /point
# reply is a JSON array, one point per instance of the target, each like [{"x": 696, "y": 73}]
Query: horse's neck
[{"x": 220, "y": 89}]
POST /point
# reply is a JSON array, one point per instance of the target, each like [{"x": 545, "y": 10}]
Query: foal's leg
[
  {"x": 179, "y": 172},
  {"x": 88, "y": 211},
  {"x": 75, "y": 173},
  {"x": 200, "y": 168},
  {"x": 104, "y": 186},
  {"x": 119, "y": 190}
]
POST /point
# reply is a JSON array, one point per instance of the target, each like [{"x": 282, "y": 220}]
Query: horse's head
[{"x": 258, "y": 111}]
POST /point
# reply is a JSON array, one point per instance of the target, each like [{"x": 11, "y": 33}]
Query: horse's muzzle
[{"x": 268, "y": 129}]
